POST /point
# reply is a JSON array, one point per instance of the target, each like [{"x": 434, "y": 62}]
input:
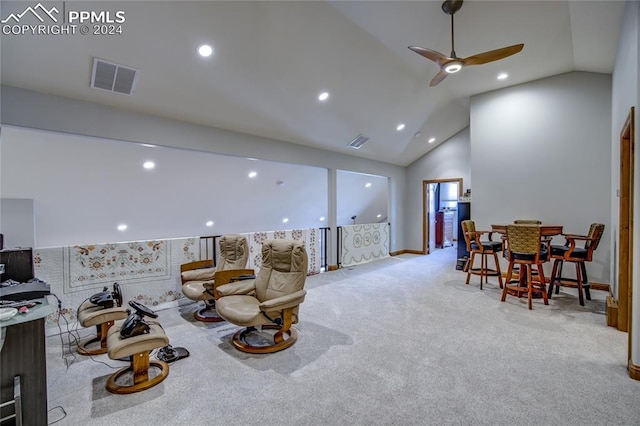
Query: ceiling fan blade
[
  {"x": 493, "y": 55},
  {"x": 437, "y": 57},
  {"x": 438, "y": 78}
]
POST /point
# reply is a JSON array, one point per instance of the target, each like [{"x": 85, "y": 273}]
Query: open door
[{"x": 429, "y": 209}]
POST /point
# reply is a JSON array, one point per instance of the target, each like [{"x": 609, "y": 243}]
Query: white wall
[
  {"x": 23, "y": 108},
  {"x": 361, "y": 195},
  {"x": 625, "y": 94},
  {"x": 17, "y": 222},
  {"x": 541, "y": 150},
  {"x": 83, "y": 188},
  {"x": 449, "y": 160}
]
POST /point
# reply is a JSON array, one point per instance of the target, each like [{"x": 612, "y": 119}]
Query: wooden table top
[{"x": 545, "y": 230}]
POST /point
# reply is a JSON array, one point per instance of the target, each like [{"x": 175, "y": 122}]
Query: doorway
[{"x": 439, "y": 195}]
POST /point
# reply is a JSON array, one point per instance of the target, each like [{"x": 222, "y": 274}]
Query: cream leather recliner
[
  {"x": 200, "y": 278},
  {"x": 270, "y": 301}
]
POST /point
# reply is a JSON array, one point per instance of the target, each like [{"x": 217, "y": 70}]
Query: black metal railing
[
  {"x": 324, "y": 248},
  {"x": 208, "y": 247}
]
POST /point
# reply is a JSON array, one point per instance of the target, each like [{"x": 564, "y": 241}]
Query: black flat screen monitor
[{"x": 18, "y": 264}]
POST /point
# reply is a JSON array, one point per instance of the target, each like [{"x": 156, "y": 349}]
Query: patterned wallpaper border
[{"x": 147, "y": 271}]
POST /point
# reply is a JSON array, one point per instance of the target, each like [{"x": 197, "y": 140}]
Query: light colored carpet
[{"x": 402, "y": 341}]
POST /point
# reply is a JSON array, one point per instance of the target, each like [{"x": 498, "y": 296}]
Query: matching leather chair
[
  {"x": 484, "y": 248},
  {"x": 526, "y": 250},
  {"x": 270, "y": 301},
  {"x": 136, "y": 346},
  {"x": 570, "y": 252},
  {"x": 102, "y": 316},
  {"x": 200, "y": 278}
]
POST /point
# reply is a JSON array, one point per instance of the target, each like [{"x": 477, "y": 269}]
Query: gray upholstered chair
[
  {"x": 200, "y": 278},
  {"x": 270, "y": 301}
]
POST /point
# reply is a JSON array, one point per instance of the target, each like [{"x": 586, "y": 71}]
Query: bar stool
[
  {"x": 578, "y": 256},
  {"x": 526, "y": 250},
  {"x": 484, "y": 249}
]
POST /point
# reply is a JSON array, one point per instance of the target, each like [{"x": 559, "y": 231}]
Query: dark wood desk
[{"x": 23, "y": 354}]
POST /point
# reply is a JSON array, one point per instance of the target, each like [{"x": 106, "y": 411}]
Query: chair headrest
[
  {"x": 284, "y": 256},
  {"x": 233, "y": 247}
]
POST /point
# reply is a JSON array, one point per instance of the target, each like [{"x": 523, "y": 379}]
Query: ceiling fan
[{"x": 452, "y": 64}]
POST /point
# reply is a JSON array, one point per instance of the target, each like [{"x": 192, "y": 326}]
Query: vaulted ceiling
[{"x": 272, "y": 59}]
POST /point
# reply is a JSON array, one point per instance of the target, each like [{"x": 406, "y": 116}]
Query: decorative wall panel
[
  {"x": 309, "y": 236},
  {"x": 147, "y": 271},
  {"x": 364, "y": 243}
]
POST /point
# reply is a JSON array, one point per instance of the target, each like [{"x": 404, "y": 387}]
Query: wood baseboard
[
  {"x": 600, "y": 286},
  {"x": 332, "y": 268},
  {"x": 612, "y": 312},
  {"x": 634, "y": 371},
  {"x": 396, "y": 253}
]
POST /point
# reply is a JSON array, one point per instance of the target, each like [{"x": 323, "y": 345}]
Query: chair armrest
[
  {"x": 238, "y": 287},
  {"x": 227, "y": 276},
  {"x": 576, "y": 236},
  {"x": 284, "y": 302},
  {"x": 571, "y": 242}
]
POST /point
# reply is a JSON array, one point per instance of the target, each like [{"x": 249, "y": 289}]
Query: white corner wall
[
  {"x": 449, "y": 160},
  {"x": 625, "y": 94},
  {"x": 541, "y": 150}
]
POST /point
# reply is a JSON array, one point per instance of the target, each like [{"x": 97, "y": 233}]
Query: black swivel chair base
[{"x": 281, "y": 340}]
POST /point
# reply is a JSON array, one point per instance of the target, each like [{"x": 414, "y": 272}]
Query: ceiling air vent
[
  {"x": 358, "y": 141},
  {"x": 113, "y": 77}
]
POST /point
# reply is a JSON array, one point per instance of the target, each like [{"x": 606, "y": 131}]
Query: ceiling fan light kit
[
  {"x": 452, "y": 63},
  {"x": 453, "y": 67}
]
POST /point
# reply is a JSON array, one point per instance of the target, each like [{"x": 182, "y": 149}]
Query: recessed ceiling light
[
  {"x": 502, "y": 76},
  {"x": 323, "y": 96},
  {"x": 148, "y": 165},
  {"x": 285, "y": 220},
  {"x": 379, "y": 216},
  {"x": 205, "y": 50},
  {"x": 253, "y": 174},
  {"x": 148, "y": 145},
  {"x": 367, "y": 185},
  {"x": 122, "y": 227},
  {"x": 321, "y": 218},
  {"x": 209, "y": 223},
  {"x": 431, "y": 140},
  {"x": 416, "y": 135},
  {"x": 400, "y": 127}
]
